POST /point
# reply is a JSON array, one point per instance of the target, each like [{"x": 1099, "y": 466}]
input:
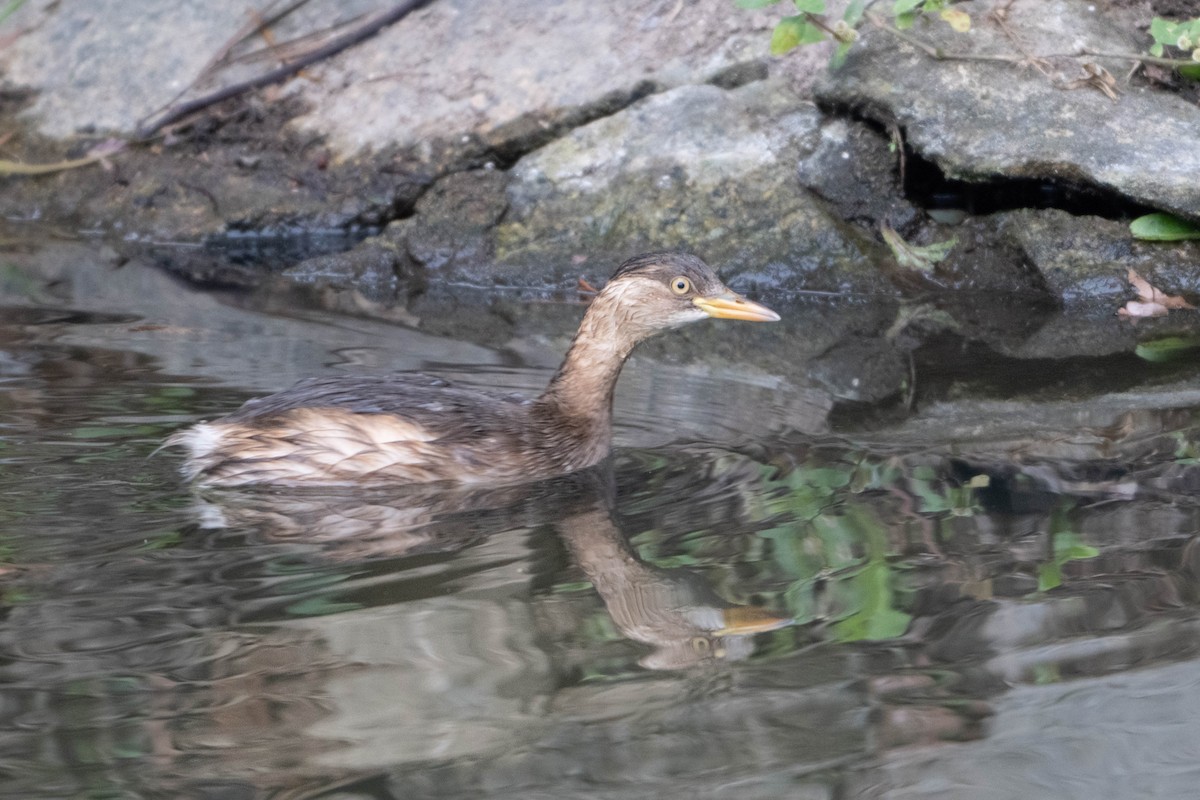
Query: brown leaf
[
  {"x": 1149, "y": 294},
  {"x": 1102, "y": 79},
  {"x": 1136, "y": 310}
]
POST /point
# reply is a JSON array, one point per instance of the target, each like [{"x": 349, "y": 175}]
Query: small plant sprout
[{"x": 1183, "y": 36}]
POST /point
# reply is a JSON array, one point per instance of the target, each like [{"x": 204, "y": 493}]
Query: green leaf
[
  {"x": 810, "y": 6},
  {"x": 1045, "y": 674},
  {"x": 10, "y": 9},
  {"x": 957, "y": 19},
  {"x": 905, "y": 6},
  {"x": 791, "y": 32},
  {"x": 1156, "y": 50},
  {"x": 755, "y": 3},
  {"x": 854, "y": 13},
  {"x": 875, "y": 618},
  {"x": 1164, "y": 31},
  {"x": 1190, "y": 72},
  {"x": 786, "y": 35},
  {"x": 1159, "y": 227},
  {"x": 811, "y": 35},
  {"x": 1167, "y": 349},
  {"x": 839, "y": 55},
  {"x": 1069, "y": 546},
  {"x": 905, "y": 21},
  {"x": 1049, "y": 576}
]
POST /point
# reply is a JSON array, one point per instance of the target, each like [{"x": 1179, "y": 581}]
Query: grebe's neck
[{"x": 581, "y": 392}]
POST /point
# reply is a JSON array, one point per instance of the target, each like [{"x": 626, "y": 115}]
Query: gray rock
[
  {"x": 857, "y": 173},
  {"x": 105, "y": 64},
  {"x": 696, "y": 168},
  {"x": 370, "y": 269},
  {"x": 1084, "y": 260},
  {"x": 451, "y": 230},
  {"x": 984, "y": 120},
  {"x": 490, "y": 70},
  {"x": 861, "y": 370},
  {"x": 464, "y": 66}
]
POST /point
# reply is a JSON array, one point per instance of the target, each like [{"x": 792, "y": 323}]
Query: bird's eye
[{"x": 681, "y": 285}]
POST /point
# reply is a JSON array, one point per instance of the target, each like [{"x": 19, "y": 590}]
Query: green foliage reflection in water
[
  {"x": 836, "y": 537},
  {"x": 1067, "y": 546},
  {"x": 828, "y": 535},
  {"x": 1187, "y": 449},
  {"x": 1168, "y": 349}
]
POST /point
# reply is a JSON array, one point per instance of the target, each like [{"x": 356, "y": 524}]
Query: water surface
[{"x": 989, "y": 597}]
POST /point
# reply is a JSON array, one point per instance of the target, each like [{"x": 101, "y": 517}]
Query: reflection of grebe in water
[
  {"x": 400, "y": 429},
  {"x": 672, "y": 611}
]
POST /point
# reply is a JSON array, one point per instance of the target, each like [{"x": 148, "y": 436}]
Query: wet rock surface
[
  {"x": 698, "y": 168},
  {"x": 979, "y": 120}
]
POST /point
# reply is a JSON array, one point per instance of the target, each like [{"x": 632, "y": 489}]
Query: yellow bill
[
  {"x": 745, "y": 620},
  {"x": 734, "y": 306}
]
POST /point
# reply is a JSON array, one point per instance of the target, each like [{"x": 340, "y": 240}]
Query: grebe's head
[{"x": 656, "y": 291}]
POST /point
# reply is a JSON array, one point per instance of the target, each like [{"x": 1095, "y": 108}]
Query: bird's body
[{"x": 414, "y": 428}]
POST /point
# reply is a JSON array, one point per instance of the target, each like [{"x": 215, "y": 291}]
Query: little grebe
[{"x": 413, "y": 428}]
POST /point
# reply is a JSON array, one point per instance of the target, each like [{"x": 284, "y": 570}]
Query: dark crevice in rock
[
  {"x": 510, "y": 142},
  {"x": 928, "y": 187},
  {"x": 741, "y": 74},
  {"x": 14, "y": 99}
]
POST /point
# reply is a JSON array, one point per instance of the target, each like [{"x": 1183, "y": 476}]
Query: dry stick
[
  {"x": 363, "y": 32},
  {"x": 1160, "y": 62},
  {"x": 292, "y": 48},
  {"x": 935, "y": 53},
  {"x": 256, "y": 23},
  {"x": 259, "y": 24},
  {"x": 19, "y": 168},
  {"x": 259, "y": 21},
  {"x": 1000, "y": 17},
  {"x": 938, "y": 54}
]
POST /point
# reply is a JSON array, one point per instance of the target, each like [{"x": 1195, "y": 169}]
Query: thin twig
[
  {"x": 292, "y": 48},
  {"x": 349, "y": 39},
  {"x": 936, "y": 52},
  {"x": 1000, "y": 17},
  {"x": 256, "y": 23},
  {"x": 1161, "y": 62},
  {"x": 941, "y": 55},
  {"x": 818, "y": 21},
  {"x": 259, "y": 21}
]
